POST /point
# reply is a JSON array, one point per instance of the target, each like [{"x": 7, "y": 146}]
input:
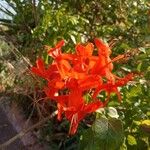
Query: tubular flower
[
  {"x": 113, "y": 88},
  {"x": 40, "y": 69},
  {"x": 71, "y": 76},
  {"x": 56, "y": 51},
  {"x": 83, "y": 61}
]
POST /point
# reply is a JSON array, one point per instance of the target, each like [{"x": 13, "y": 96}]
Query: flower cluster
[{"x": 71, "y": 76}]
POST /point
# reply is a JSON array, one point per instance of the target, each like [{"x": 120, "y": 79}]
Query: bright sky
[{"x": 3, "y": 5}]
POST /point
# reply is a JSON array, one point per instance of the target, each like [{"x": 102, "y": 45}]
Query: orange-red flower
[
  {"x": 84, "y": 60},
  {"x": 104, "y": 65},
  {"x": 78, "y": 74},
  {"x": 76, "y": 108},
  {"x": 113, "y": 88},
  {"x": 40, "y": 69},
  {"x": 75, "y": 116},
  {"x": 56, "y": 51}
]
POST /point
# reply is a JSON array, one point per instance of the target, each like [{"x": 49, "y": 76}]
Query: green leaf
[
  {"x": 73, "y": 39},
  {"x": 131, "y": 140},
  {"x": 146, "y": 122},
  {"x": 105, "y": 134},
  {"x": 145, "y": 126},
  {"x": 134, "y": 91},
  {"x": 139, "y": 66}
]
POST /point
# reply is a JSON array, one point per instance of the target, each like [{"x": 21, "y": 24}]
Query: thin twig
[{"x": 24, "y": 131}]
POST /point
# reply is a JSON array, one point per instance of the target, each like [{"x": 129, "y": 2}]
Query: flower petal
[
  {"x": 56, "y": 51},
  {"x": 103, "y": 49}
]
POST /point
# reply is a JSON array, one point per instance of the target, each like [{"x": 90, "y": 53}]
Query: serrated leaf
[{"x": 105, "y": 134}]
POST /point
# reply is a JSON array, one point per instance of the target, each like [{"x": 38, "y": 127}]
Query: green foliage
[
  {"x": 105, "y": 134},
  {"x": 131, "y": 140},
  {"x": 35, "y": 23}
]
